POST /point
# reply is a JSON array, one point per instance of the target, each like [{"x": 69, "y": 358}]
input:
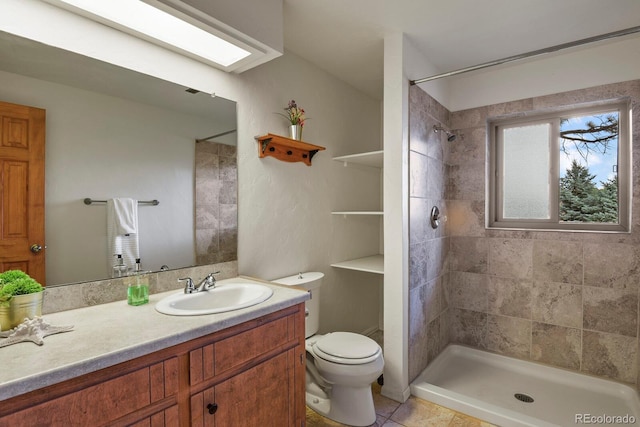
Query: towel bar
[{"x": 154, "y": 202}]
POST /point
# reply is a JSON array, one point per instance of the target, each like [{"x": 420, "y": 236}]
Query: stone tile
[
  {"x": 611, "y": 266},
  {"x": 509, "y": 297},
  {"x": 461, "y": 420},
  {"x": 466, "y": 217},
  {"x": 418, "y": 265},
  {"x": 468, "y": 327},
  {"x": 444, "y": 291},
  {"x": 609, "y": 355},
  {"x": 228, "y": 169},
  {"x": 557, "y": 304},
  {"x": 509, "y": 336},
  {"x": 469, "y": 254},
  {"x": 436, "y": 179},
  {"x": 418, "y": 219},
  {"x": 610, "y": 310},
  {"x": 445, "y": 329},
  {"x": 418, "y": 175},
  {"x": 510, "y": 108},
  {"x": 556, "y": 345},
  {"x": 418, "y": 332},
  {"x": 473, "y": 150},
  {"x": 316, "y": 420},
  {"x": 557, "y": 261},
  {"x": 466, "y": 181},
  {"x": 433, "y": 341},
  {"x": 473, "y": 117},
  {"x": 207, "y": 217},
  {"x": 384, "y": 406},
  {"x": 419, "y": 413},
  {"x": 468, "y": 291},
  {"x": 437, "y": 257},
  {"x": 511, "y": 258}
]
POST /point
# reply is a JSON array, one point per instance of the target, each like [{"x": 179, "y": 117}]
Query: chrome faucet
[
  {"x": 189, "y": 288},
  {"x": 207, "y": 283}
]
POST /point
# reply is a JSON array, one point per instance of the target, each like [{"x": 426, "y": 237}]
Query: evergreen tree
[
  {"x": 581, "y": 200},
  {"x": 577, "y": 192},
  {"x": 608, "y": 201}
]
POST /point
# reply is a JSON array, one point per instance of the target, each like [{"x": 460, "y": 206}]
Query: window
[{"x": 567, "y": 170}]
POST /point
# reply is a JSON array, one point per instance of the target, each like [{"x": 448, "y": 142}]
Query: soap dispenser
[
  {"x": 119, "y": 269},
  {"x": 138, "y": 290}
]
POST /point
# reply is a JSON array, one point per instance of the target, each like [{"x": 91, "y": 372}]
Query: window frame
[{"x": 495, "y": 184}]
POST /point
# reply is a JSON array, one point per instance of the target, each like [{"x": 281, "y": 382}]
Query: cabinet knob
[{"x": 212, "y": 407}]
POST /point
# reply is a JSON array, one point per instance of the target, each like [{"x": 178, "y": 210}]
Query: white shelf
[
  {"x": 357, "y": 213},
  {"x": 372, "y": 158},
  {"x": 370, "y": 264}
]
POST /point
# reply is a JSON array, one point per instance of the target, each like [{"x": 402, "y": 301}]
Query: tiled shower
[{"x": 567, "y": 299}]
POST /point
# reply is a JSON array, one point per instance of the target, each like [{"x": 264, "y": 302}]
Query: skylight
[{"x": 159, "y": 26}]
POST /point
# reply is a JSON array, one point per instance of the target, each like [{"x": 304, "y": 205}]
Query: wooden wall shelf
[{"x": 286, "y": 149}]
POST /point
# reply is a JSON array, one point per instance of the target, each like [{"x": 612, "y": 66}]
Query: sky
[{"x": 601, "y": 165}]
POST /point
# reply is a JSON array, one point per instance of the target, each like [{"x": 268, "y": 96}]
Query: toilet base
[{"x": 347, "y": 405}]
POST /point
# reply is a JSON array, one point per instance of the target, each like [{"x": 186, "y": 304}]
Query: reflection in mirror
[{"x": 112, "y": 132}]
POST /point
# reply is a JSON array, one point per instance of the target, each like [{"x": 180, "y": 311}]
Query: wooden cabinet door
[
  {"x": 22, "y": 137},
  {"x": 263, "y": 396}
]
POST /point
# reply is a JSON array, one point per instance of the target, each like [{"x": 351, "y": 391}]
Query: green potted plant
[{"x": 20, "y": 298}]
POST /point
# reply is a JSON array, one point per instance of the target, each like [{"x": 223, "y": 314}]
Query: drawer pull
[{"x": 212, "y": 407}]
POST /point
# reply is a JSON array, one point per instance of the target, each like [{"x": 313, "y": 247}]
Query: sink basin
[{"x": 222, "y": 298}]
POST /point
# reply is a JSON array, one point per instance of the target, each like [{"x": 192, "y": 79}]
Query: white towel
[{"x": 122, "y": 231}]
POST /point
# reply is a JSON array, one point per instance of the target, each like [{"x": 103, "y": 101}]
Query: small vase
[{"x": 295, "y": 132}]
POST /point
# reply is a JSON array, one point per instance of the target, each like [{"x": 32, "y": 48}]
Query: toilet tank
[{"x": 311, "y": 282}]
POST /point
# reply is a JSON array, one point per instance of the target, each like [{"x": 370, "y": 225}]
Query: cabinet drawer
[
  {"x": 216, "y": 358},
  {"x": 97, "y": 405}
]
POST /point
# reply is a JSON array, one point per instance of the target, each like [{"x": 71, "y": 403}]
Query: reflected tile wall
[
  {"x": 216, "y": 203},
  {"x": 561, "y": 298},
  {"x": 78, "y": 295}
]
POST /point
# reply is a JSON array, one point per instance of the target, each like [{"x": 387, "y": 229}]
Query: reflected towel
[{"x": 122, "y": 231}]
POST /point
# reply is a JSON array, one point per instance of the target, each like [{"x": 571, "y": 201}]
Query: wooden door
[{"x": 22, "y": 139}]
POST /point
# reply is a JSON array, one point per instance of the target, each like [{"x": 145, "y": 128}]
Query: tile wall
[
  {"x": 566, "y": 299},
  {"x": 429, "y": 248}
]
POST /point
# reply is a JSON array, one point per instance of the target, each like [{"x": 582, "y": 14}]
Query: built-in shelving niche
[
  {"x": 374, "y": 263},
  {"x": 286, "y": 149}
]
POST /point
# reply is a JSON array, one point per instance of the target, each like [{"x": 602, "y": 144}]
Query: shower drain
[{"x": 523, "y": 398}]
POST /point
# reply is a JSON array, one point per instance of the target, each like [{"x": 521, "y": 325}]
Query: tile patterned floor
[{"x": 412, "y": 413}]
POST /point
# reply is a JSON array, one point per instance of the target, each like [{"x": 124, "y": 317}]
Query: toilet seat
[{"x": 346, "y": 348}]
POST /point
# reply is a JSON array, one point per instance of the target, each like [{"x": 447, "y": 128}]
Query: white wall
[
  {"x": 591, "y": 65},
  {"x": 285, "y": 221},
  {"x": 101, "y": 147}
]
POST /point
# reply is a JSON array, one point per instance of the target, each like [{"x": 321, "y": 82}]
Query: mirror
[{"x": 113, "y": 132}]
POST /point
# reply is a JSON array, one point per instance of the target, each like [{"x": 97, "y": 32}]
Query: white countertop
[{"x": 108, "y": 334}]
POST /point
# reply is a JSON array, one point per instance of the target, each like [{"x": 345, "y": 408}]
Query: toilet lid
[{"x": 347, "y": 348}]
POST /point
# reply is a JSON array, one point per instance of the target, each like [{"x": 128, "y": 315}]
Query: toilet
[{"x": 340, "y": 365}]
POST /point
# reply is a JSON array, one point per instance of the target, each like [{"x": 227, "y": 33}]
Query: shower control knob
[{"x": 35, "y": 248}]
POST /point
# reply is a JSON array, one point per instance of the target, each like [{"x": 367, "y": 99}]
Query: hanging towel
[{"x": 122, "y": 231}]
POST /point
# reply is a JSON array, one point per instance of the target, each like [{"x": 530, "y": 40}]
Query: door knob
[{"x": 35, "y": 248}]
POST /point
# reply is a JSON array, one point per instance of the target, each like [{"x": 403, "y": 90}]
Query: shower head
[{"x": 450, "y": 135}]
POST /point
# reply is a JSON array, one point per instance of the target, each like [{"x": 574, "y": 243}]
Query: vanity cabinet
[{"x": 251, "y": 374}]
